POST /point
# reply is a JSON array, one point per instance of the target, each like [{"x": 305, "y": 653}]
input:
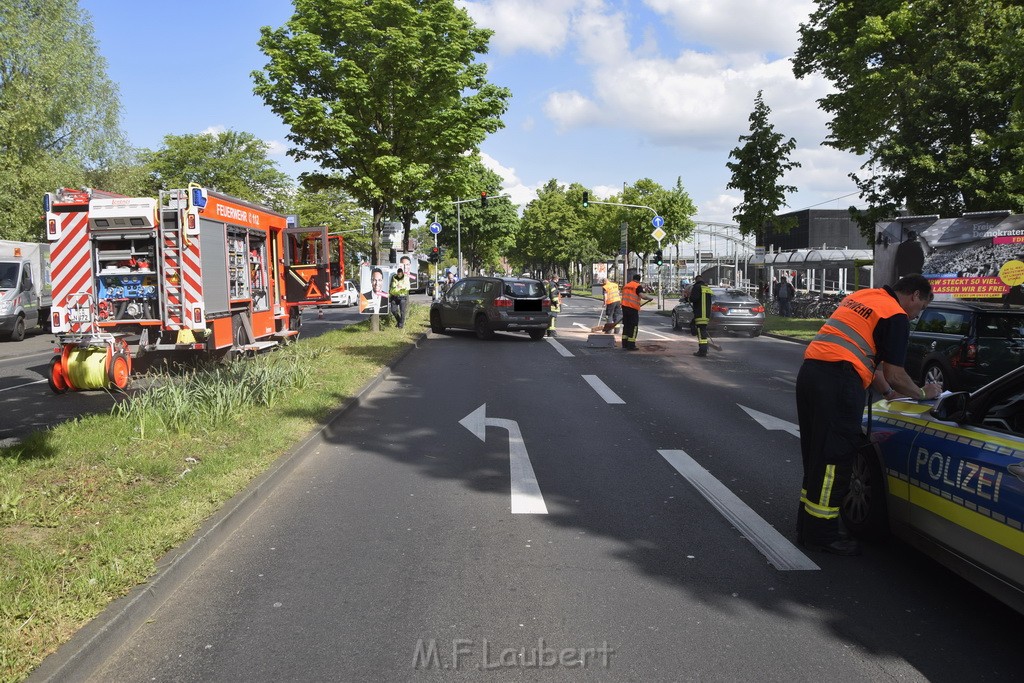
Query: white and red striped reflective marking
[
  {"x": 71, "y": 263},
  {"x": 192, "y": 283},
  {"x": 172, "y": 314}
]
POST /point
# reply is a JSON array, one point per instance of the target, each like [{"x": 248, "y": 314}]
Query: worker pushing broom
[{"x": 611, "y": 314}]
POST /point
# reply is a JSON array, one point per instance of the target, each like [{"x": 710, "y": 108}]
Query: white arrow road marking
[
  {"x": 780, "y": 552},
  {"x": 526, "y": 496},
  {"x": 772, "y": 423},
  {"x": 602, "y": 389},
  {"x": 561, "y": 349},
  {"x": 581, "y": 325}
]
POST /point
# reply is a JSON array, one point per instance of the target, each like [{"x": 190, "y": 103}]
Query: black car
[
  {"x": 489, "y": 304},
  {"x": 965, "y": 345},
  {"x": 564, "y": 288}
]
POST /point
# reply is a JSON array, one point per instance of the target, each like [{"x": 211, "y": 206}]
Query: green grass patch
[
  {"x": 798, "y": 328},
  {"x": 89, "y": 506}
]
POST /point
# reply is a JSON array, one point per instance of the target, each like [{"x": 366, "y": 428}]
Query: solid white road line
[
  {"x": 561, "y": 349},
  {"x": 655, "y": 334},
  {"x": 602, "y": 389},
  {"x": 27, "y": 384},
  {"x": 780, "y": 552}
]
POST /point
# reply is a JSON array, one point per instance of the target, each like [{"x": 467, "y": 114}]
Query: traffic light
[
  {"x": 657, "y": 257},
  {"x": 435, "y": 254},
  {"x": 483, "y": 199},
  {"x": 586, "y": 199}
]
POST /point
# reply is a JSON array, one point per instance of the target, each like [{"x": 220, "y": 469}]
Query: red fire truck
[{"x": 192, "y": 270}]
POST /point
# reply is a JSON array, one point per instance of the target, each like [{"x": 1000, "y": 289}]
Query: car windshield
[{"x": 523, "y": 289}]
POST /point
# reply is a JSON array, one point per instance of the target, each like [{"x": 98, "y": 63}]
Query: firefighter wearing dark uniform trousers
[
  {"x": 556, "y": 305},
  {"x": 868, "y": 331},
  {"x": 632, "y": 294},
  {"x": 700, "y": 298}
]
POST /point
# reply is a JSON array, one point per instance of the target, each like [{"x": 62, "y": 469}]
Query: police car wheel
[{"x": 864, "y": 509}]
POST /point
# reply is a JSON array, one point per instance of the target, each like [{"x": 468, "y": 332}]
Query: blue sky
[{"x": 603, "y": 91}]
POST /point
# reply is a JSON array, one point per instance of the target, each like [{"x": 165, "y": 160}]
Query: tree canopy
[
  {"x": 760, "y": 163},
  {"x": 933, "y": 97},
  {"x": 385, "y": 95},
  {"x": 232, "y": 162},
  {"x": 58, "y": 110}
]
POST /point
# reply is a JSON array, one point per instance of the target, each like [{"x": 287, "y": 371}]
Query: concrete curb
[{"x": 79, "y": 658}]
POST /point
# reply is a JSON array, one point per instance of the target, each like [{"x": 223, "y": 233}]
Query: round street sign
[
  {"x": 435, "y": 227},
  {"x": 657, "y": 221}
]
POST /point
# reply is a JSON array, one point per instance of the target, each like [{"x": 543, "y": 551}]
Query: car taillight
[
  {"x": 968, "y": 356},
  {"x": 545, "y": 303},
  {"x": 503, "y": 302},
  {"x": 757, "y": 309},
  {"x": 718, "y": 308}
]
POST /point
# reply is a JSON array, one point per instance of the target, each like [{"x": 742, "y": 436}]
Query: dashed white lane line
[
  {"x": 558, "y": 347},
  {"x": 602, "y": 389},
  {"x": 780, "y": 552}
]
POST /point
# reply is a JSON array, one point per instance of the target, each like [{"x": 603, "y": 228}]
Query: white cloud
[
  {"x": 762, "y": 26},
  {"x": 536, "y": 25},
  {"x": 214, "y": 130},
  {"x": 719, "y": 209},
  {"x": 276, "y": 148}
]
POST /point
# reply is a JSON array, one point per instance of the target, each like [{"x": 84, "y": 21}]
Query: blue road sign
[
  {"x": 658, "y": 221},
  {"x": 435, "y": 227}
]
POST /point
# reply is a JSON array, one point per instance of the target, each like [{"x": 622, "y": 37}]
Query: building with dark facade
[{"x": 817, "y": 229}]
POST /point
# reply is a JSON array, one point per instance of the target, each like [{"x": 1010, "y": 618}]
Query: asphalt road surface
[{"x": 555, "y": 510}]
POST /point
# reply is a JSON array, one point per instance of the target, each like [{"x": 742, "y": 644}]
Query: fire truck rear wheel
[{"x": 55, "y": 377}]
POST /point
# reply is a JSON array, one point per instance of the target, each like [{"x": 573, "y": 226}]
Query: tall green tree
[
  {"x": 761, "y": 161},
  {"x": 386, "y": 95},
  {"x": 488, "y": 233},
  {"x": 932, "y": 97},
  {"x": 58, "y": 109},
  {"x": 232, "y": 162}
]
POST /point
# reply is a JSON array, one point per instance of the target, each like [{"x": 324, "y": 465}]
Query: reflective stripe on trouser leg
[
  {"x": 554, "y": 317},
  {"x": 821, "y": 508}
]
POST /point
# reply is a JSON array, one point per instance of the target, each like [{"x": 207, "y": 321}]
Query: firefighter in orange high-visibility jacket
[
  {"x": 612, "y": 305},
  {"x": 556, "y": 304},
  {"x": 633, "y": 297},
  {"x": 868, "y": 330}
]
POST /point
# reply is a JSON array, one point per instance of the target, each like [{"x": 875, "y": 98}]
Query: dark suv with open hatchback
[
  {"x": 489, "y": 304},
  {"x": 965, "y": 345}
]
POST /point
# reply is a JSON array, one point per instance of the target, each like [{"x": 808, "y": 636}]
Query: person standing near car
[
  {"x": 612, "y": 305},
  {"x": 556, "y": 304},
  {"x": 784, "y": 294},
  {"x": 700, "y": 299},
  {"x": 870, "y": 328},
  {"x": 633, "y": 297},
  {"x": 398, "y": 294}
]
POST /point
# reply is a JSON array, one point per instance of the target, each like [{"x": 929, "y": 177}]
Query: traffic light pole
[{"x": 458, "y": 220}]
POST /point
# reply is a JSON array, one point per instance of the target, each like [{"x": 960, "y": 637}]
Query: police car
[{"x": 948, "y": 477}]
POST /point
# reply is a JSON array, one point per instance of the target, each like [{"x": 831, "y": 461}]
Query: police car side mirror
[{"x": 951, "y": 408}]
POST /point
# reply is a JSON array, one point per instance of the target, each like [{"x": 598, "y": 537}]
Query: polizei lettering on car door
[{"x": 958, "y": 474}]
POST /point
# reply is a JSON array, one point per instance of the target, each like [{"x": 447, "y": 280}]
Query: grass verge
[
  {"x": 88, "y": 507},
  {"x": 797, "y": 328}
]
